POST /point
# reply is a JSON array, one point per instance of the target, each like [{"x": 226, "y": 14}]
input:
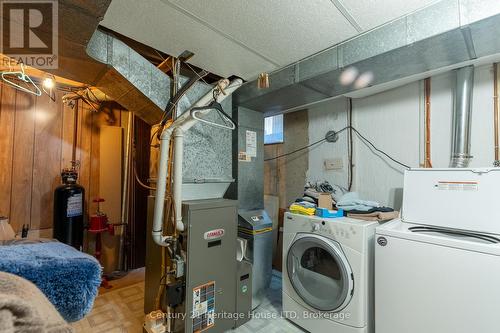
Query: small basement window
[{"x": 273, "y": 129}]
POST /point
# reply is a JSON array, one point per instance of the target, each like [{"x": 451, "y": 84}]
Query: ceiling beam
[{"x": 167, "y": 65}]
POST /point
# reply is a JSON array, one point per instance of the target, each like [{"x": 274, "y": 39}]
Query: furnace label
[
  {"x": 251, "y": 143},
  {"x": 203, "y": 307}
]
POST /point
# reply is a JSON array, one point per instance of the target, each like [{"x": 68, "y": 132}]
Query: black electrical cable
[
  {"x": 340, "y": 131},
  {"x": 378, "y": 150},
  {"x": 295, "y": 151},
  {"x": 350, "y": 147},
  {"x": 308, "y": 146}
]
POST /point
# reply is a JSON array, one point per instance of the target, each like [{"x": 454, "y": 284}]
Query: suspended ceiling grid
[{"x": 246, "y": 37}]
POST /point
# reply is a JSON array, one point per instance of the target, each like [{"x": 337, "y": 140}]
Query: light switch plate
[{"x": 333, "y": 164}]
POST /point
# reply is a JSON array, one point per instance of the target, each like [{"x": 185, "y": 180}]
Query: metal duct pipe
[
  {"x": 462, "y": 118},
  {"x": 496, "y": 116},
  {"x": 395, "y": 53}
]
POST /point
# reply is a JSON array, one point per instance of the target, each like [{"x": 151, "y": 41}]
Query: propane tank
[{"x": 69, "y": 204}]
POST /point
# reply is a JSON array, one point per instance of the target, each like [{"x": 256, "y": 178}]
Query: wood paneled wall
[
  {"x": 37, "y": 136},
  {"x": 285, "y": 177}
]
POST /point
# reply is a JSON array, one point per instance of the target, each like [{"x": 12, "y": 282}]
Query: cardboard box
[{"x": 325, "y": 201}]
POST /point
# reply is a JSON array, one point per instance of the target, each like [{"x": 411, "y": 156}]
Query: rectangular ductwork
[
  {"x": 99, "y": 59},
  {"x": 129, "y": 78},
  {"x": 446, "y": 35},
  {"x": 134, "y": 82},
  {"x": 462, "y": 118}
]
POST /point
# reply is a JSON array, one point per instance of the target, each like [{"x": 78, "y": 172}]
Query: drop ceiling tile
[
  {"x": 283, "y": 31},
  {"x": 158, "y": 25},
  {"x": 475, "y": 10},
  {"x": 372, "y": 13}
]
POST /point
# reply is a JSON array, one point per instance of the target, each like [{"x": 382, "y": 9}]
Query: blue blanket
[{"x": 70, "y": 279}]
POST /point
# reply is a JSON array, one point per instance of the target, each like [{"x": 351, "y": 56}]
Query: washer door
[{"x": 320, "y": 273}]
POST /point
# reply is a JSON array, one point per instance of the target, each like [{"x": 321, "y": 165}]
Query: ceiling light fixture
[{"x": 48, "y": 85}]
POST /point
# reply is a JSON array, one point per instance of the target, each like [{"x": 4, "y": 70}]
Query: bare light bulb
[{"x": 48, "y": 83}]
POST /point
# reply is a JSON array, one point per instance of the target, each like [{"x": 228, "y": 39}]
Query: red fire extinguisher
[{"x": 99, "y": 224}]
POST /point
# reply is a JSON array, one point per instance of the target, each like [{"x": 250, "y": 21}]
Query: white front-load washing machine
[{"x": 328, "y": 273}]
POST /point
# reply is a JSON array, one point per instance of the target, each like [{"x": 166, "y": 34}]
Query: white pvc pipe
[
  {"x": 178, "y": 160},
  {"x": 180, "y": 125},
  {"x": 161, "y": 189}
]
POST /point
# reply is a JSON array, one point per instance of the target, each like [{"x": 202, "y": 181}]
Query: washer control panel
[
  {"x": 332, "y": 229},
  {"x": 343, "y": 230}
]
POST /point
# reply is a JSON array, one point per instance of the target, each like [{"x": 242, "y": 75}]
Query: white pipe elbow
[
  {"x": 158, "y": 238},
  {"x": 179, "y": 225}
]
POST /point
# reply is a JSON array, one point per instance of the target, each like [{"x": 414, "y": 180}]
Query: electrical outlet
[{"x": 333, "y": 164}]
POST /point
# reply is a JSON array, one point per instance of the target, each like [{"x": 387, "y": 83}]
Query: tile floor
[
  {"x": 121, "y": 311},
  {"x": 270, "y": 308},
  {"x": 116, "y": 311}
]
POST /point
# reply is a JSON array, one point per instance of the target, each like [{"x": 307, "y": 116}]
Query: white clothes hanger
[{"x": 21, "y": 75}]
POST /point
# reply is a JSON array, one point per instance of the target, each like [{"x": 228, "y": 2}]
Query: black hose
[{"x": 172, "y": 102}]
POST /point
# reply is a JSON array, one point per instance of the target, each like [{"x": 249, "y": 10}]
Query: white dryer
[
  {"x": 328, "y": 273},
  {"x": 436, "y": 280}
]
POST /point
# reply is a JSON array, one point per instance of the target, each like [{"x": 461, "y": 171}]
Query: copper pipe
[
  {"x": 75, "y": 132},
  {"x": 263, "y": 81},
  {"x": 495, "y": 113},
  {"x": 427, "y": 94}
]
